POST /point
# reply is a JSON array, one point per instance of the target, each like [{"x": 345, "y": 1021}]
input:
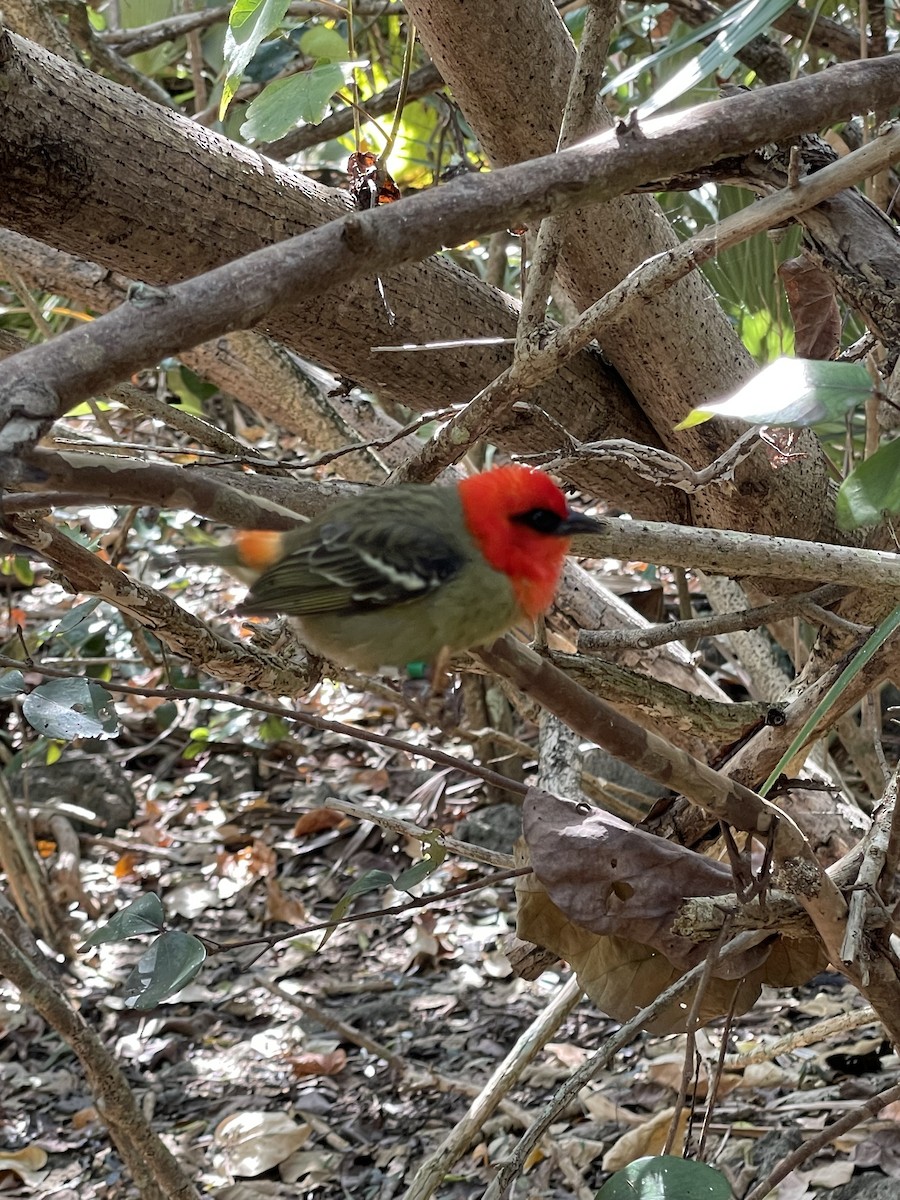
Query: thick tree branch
[
  {"x": 163, "y": 200},
  {"x": 727, "y": 552},
  {"x": 36, "y": 385},
  {"x": 182, "y": 632}
]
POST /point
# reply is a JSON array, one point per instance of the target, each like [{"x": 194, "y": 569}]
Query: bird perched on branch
[{"x": 399, "y": 575}]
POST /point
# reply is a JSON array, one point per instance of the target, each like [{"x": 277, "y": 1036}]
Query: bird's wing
[{"x": 353, "y": 567}]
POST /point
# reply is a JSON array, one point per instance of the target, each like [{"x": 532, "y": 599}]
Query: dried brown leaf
[
  {"x": 620, "y": 976},
  {"x": 817, "y": 318},
  {"x": 604, "y": 896},
  {"x": 313, "y": 1063},
  {"x": 648, "y": 1139},
  {"x": 611, "y": 878}
]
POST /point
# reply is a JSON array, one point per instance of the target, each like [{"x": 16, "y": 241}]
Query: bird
[{"x": 410, "y": 574}]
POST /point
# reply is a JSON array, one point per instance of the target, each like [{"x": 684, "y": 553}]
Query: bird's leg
[
  {"x": 441, "y": 674},
  {"x": 539, "y": 641}
]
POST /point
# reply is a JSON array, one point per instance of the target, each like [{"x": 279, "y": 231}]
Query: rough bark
[
  {"x": 676, "y": 348},
  {"x": 93, "y": 169}
]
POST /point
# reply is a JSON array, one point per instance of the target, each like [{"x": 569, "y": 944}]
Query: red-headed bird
[{"x": 395, "y": 576}]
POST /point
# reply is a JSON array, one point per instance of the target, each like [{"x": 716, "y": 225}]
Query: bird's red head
[{"x": 520, "y": 519}]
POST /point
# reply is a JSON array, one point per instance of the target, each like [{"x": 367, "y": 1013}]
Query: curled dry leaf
[
  {"x": 648, "y": 1139},
  {"x": 614, "y": 879},
  {"x": 317, "y": 821},
  {"x": 603, "y": 898},
  {"x": 27, "y": 1164},
  {"x": 313, "y": 1063},
  {"x": 282, "y": 906},
  {"x": 253, "y": 1142}
]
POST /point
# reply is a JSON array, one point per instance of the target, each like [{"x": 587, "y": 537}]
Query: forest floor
[{"x": 259, "y": 1097}]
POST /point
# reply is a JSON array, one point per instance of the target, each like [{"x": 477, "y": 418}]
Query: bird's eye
[{"x": 541, "y": 520}]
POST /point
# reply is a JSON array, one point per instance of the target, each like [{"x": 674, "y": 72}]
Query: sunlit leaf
[
  {"x": 249, "y": 24},
  {"x": 666, "y": 1177},
  {"x": 745, "y": 22},
  {"x": 54, "y": 752},
  {"x": 791, "y": 391},
  {"x": 302, "y": 97},
  {"x": 71, "y": 708},
  {"x": 649, "y": 62},
  {"x": 169, "y": 965},
  {"x": 144, "y": 915},
  {"x": 871, "y": 490},
  {"x": 323, "y": 43}
]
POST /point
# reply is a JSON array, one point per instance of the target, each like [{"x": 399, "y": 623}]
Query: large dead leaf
[
  {"x": 611, "y": 878},
  {"x": 250, "y": 1143},
  {"x": 817, "y": 318},
  {"x": 648, "y": 1139},
  {"x": 604, "y": 896},
  {"x": 620, "y": 976}
]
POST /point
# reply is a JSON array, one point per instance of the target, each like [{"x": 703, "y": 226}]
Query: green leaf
[
  {"x": 284, "y": 103},
  {"x": 74, "y": 617},
  {"x": 23, "y": 571},
  {"x": 274, "y": 729},
  {"x": 426, "y": 866},
  {"x": 650, "y": 62},
  {"x": 71, "y": 708},
  {"x": 165, "y": 714},
  {"x": 12, "y": 683},
  {"x": 870, "y": 490},
  {"x": 745, "y": 22},
  {"x": 324, "y": 44},
  {"x": 371, "y": 881},
  {"x": 413, "y": 875},
  {"x": 144, "y": 915},
  {"x": 250, "y": 22},
  {"x": 169, "y": 965},
  {"x": 54, "y": 752},
  {"x": 665, "y": 1177},
  {"x": 791, "y": 391}
]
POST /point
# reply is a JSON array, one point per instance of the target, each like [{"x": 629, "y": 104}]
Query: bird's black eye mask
[{"x": 541, "y": 520}]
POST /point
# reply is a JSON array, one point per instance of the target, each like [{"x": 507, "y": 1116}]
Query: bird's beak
[{"x": 577, "y": 522}]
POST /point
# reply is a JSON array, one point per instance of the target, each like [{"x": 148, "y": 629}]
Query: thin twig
[
  {"x": 650, "y": 279},
  {"x": 600, "y": 1059},
  {"x": 412, "y": 1075},
  {"x": 432, "y": 1172},
  {"x": 453, "y": 845},
  {"x": 805, "y": 1152},
  {"x": 494, "y": 778},
  {"x": 156, "y": 1172},
  {"x": 392, "y": 910},
  {"x": 811, "y": 1035},
  {"x": 864, "y": 899},
  {"x": 592, "y": 640},
  {"x": 692, "y": 1024},
  {"x": 401, "y": 95}
]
